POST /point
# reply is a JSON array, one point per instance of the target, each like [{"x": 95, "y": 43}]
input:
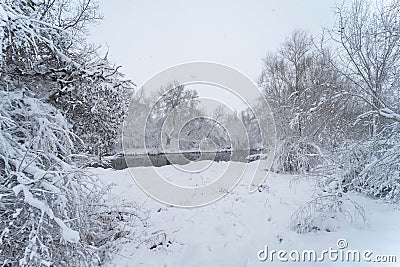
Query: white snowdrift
[{"x": 231, "y": 231}]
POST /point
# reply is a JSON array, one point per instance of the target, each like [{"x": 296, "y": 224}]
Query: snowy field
[{"x": 232, "y": 231}]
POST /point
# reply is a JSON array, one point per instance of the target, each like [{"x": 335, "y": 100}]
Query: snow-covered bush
[
  {"x": 325, "y": 212},
  {"x": 368, "y": 167},
  {"x": 297, "y": 156},
  {"x": 345, "y": 100},
  {"x": 330, "y": 206},
  {"x": 52, "y": 212},
  {"x": 373, "y": 167},
  {"x": 44, "y": 48},
  {"x": 368, "y": 55},
  {"x": 96, "y": 106},
  {"x": 55, "y": 92}
]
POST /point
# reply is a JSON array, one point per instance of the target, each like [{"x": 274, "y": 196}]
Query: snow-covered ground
[{"x": 231, "y": 231}]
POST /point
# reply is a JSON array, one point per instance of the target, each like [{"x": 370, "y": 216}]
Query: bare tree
[
  {"x": 367, "y": 38},
  {"x": 174, "y": 105},
  {"x": 296, "y": 81},
  {"x": 368, "y": 34}
]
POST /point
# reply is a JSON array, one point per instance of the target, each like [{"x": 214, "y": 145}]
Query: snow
[
  {"x": 230, "y": 232},
  {"x": 3, "y": 20},
  {"x": 256, "y": 157},
  {"x": 67, "y": 233},
  {"x": 16, "y": 213}
]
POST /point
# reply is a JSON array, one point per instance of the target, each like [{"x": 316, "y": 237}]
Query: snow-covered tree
[
  {"x": 367, "y": 58},
  {"x": 50, "y": 208},
  {"x": 297, "y": 80},
  {"x": 201, "y": 129},
  {"x": 135, "y": 122},
  {"x": 368, "y": 36},
  {"x": 44, "y": 49},
  {"x": 237, "y": 132},
  {"x": 52, "y": 211},
  {"x": 252, "y": 125},
  {"x": 172, "y": 107}
]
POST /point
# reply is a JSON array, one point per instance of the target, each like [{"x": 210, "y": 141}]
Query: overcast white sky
[{"x": 146, "y": 37}]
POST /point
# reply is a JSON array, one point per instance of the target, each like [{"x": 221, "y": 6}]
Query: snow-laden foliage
[
  {"x": 96, "y": 106},
  {"x": 372, "y": 167},
  {"x": 44, "y": 49},
  {"x": 253, "y": 131},
  {"x": 52, "y": 211},
  {"x": 325, "y": 212},
  {"x": 173, "y": 118},
  {"x": 297, "y": 156},
  {"x": 344, "y": 101},
  {"x": 173, "y": 106},
  {"x": 369, "y": 57},
  {"x": 368, "y": 167},
  {"x": 298, "y": 81},
  {"x": 200, "y": 129},
  {"x": 57, "y": 98},
  {"x": 330, "y": 206}
]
